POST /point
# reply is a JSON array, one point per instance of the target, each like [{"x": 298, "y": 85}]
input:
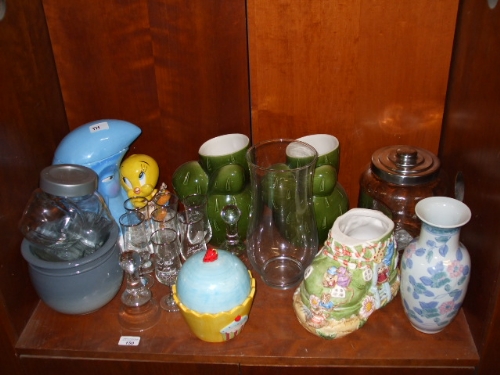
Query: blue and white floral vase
[{"x": 435, "y": 267}]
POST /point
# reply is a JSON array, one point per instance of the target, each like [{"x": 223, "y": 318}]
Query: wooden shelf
[{"x": 272, "y": 337}]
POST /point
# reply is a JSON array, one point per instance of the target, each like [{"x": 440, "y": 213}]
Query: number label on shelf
[{"x": 129, "y": 341}]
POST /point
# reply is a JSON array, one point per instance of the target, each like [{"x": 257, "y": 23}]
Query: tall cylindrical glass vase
[{"x": 282, "y": 238}]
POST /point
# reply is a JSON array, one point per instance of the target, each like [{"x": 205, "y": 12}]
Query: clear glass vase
[{"x": 282, "y": 238}]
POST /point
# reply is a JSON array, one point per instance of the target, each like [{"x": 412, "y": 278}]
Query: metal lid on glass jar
[
  {"x": 405, "y": 165},
  {"x": 68, "y": 180}
]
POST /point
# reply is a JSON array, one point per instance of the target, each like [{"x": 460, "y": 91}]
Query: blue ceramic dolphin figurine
[{"x": 100, "y": 145}]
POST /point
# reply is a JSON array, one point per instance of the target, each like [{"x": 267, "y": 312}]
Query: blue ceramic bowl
[{"x": 80, "y": 286}]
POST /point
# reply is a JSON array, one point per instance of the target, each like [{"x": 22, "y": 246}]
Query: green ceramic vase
[
  {"x": 329, "y": 197},
  {"x": 221, "y": 172}
]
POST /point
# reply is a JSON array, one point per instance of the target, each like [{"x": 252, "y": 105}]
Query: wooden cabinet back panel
[
  {"x": 372, "y": 73},
  {"x": 176, "y": 69}
]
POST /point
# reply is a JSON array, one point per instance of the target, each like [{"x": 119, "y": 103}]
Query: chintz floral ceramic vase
[
  {"x": 354, "y": 274},
  {"x": 435, "y": 267}
]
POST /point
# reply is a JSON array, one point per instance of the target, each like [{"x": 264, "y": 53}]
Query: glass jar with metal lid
[
  {"x": 397, "y": 178},
  {"x": 66, "y": 218}
]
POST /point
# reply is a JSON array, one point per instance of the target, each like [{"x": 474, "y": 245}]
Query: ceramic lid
[
  {"x": 213, "y": 281},
  {"x": 405, "y": 165}
]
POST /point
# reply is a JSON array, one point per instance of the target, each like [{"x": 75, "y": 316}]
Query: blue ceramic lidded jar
[{"x": 212, "y": 287}]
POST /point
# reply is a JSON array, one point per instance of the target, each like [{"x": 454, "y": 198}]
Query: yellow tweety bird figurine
[{"x": 139, "y": 175}]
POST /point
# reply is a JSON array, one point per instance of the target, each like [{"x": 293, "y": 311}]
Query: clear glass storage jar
[{"x": 66, "y": 218}]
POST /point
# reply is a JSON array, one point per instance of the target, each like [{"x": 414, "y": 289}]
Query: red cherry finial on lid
[{"x": 211, "y": 255}]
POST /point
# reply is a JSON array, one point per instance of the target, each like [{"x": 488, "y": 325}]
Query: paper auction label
[{"x": 129, "y": 341}]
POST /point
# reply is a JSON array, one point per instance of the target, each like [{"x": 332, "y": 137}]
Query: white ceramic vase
[{"x": 435, "y": 267}]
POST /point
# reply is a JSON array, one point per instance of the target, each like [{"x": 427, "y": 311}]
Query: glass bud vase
[
  {"x": 435, "y": 267},
  {"x": 282, "y": 238}
]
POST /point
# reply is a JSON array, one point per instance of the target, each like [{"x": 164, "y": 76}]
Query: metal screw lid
[
  {"x": 68, "y": 180},
  {"x": 405, "y": 165}
]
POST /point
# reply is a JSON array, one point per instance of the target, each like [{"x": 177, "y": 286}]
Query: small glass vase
[
  {"x": 282, "y": 238},
  {"x": 435, "y": 267}
]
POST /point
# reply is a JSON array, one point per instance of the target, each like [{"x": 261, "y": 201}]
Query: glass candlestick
[
  {"x": 139, "y": 311},
  {"x": 230, "y": 214}
]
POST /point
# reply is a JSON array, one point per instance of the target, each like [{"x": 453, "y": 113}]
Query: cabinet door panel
[
  {"x": 32, "y": 120},
  {"x": 471, "y": 146}
]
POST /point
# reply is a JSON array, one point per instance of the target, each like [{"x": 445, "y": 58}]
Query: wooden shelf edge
[{"x": 272, "y": 337}]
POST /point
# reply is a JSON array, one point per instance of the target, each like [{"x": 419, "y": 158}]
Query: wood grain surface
[
  {"x": 371, "y": 73},
  {"x": 273, "y": 336},
  {"x": 470, "y": 146},
  {"x": 176, "y": 69}
]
